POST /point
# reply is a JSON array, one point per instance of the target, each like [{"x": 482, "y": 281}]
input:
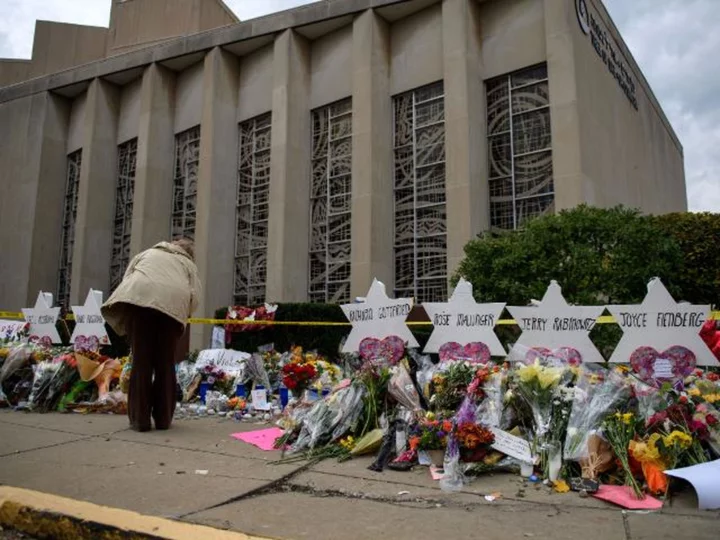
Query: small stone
[
  {"x": 583, "y": 494},
  {"x": 211, "y": 412},
  {"x": 266, "y": 416}
]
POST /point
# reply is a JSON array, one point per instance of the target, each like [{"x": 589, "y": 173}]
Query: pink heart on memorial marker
[
  {"x": 390, "y": 349},
  {"x": 567, "y": 355},
  {"x": 677, "y": 362},
  {"x": 475, "y": 353}
]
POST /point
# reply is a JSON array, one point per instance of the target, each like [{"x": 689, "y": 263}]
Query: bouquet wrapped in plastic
[
  {"x": 255, "y": 371},
  {"x": 596, "y": 394},
  {"x": 16, "y": 375},
  {"x": 401, "y": 388},
  {"x": 44, "y": 373},
  {"x": 329, "y": 419}
]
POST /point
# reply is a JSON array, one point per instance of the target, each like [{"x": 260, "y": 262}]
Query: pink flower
[{"x": 702, "y": 407}]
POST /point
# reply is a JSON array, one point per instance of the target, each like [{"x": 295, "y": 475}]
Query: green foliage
[
  {"x": 698, "y": 235},
  {"x": 597, "y": 256}
]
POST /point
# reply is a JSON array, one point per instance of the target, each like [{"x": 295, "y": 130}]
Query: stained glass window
[
  {"x": 253, "y": 210},
  {"x": 330, "y": 203},
  {"x": 127, "y": 160},
  {"x": 519, "y": 148},
  {"x": 420, "y": 212},
  {"x": 187, "y": 161},
  {"x": 67, "y": 240}
]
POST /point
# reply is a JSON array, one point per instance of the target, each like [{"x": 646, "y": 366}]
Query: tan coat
[{"x": 163, "y": 278}]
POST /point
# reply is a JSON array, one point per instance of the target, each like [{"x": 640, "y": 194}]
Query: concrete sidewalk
[{"x": 95, "y": 458}]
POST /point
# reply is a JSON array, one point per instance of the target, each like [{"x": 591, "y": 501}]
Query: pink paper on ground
[
  {"x": 625, "y": 497},
  {"x": 264, "y": 439},
  {"x": 436, "y": 473}
]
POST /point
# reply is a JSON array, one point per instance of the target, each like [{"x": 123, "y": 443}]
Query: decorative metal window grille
[
  {"x": 253, "y": 210},
  {"x": 330, "y": 203},
  {"x": 74, "y": 163},
  {"x": 520, "y": 149},
  {"x": 127, "y": 160},
  {"x": 420, "y": 213},
  {"x": 187, "y": 160}
]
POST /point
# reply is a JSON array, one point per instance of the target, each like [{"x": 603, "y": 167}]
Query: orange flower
[
  {"x": 414, "y": 443},
  {"x": 447, "y": 426}
]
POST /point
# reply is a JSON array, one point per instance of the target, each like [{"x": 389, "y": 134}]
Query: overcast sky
[{"x": 676, "y": 43}]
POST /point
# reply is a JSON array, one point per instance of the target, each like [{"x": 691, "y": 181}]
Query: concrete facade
[{"x": 610, "y": 141}]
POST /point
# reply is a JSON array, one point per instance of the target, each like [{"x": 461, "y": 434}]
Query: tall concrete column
[
  {"x": 217, "y": 185},
  {"x": 30, "y": 222},
  {"x": 372, "y": 178},
  {"x": 564, "y": 114},
  {"x": 92, "y": 248},
  {"x": 152, "y": 201},
  {"x": 289, "y": 230},
  {"x": 468, "y": 206}
]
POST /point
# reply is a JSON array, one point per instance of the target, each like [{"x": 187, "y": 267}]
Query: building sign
[{"x": 603, "y": 44}]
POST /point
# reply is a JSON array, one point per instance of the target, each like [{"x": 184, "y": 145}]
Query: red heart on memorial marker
[
  {"x": 390, "y": 349},
  {"x": 567, "y": 355},
  {"x": 680, "y": 360},
  {"x": 475, "y": 353}
]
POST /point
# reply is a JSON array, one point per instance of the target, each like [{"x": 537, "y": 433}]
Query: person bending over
[{"x": 151, "y": 306}]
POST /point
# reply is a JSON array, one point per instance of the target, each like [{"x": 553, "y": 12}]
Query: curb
[{"x": 50, "y": 516}]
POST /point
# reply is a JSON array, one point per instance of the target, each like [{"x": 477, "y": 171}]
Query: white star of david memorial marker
[
  {"x": 42, "y": 318},
  {"x": 661, "y": 323},
  {"x": 462, "y": 320},
  {"x": 378, "y": 317},
  {"x": 553, "y": 324},
  {"x": 89, "y": 320}
]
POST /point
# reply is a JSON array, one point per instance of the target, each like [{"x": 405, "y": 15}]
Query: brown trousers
[{"x": 154, "y": 337}]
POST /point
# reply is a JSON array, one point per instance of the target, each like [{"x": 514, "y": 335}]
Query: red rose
[
  {"x": 712, "y": 376},
  {"x": 683, "y": 399},
  {"x": 710, "y": 420}
]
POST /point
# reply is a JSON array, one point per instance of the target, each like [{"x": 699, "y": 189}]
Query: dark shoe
[
  {"x": 162, "y": 427},
  {"x": 139, "y": 428}
]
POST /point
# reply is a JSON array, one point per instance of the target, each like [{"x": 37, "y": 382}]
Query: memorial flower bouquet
[
  {"x": 450, "y": 385},
  {"x": 597, "y": 393},
  {"x": 620, "y": 430},
  {"x": 300, "y": 372},
  {"x": 217, "y": 379}
]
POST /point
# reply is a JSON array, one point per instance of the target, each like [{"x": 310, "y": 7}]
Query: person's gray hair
[{"x": 187, "y": 245}]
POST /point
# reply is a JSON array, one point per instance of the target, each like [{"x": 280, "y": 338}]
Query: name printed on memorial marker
[
  {"x": 558, "y": 324},
  {"x": 669, "y": 319},
  {"x": 379, "y": 313}
]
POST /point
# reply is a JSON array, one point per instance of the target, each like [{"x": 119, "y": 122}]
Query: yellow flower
[
  {"x": 627, "y": 418},
  {"x": 548, "y": 377},
  {"x": 646, "y": 451},
  {"x": 430, "y": 415},
  {"x": 712, "y": 398},
  {"x": 622, "y": 369},
  {"x": 682, "y": 439},
  {"x": 694, "y": 392},
  {"x": 528, "y": 373},
  {"x": 348, "y": 443}
]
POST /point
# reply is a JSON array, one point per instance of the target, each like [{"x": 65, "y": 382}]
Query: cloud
[{"x": 675, "y": 42}]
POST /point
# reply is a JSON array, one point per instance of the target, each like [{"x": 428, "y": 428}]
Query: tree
[{"x": 598, "y": 256}]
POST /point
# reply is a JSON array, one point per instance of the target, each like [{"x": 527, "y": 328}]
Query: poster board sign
[
  {"x": 42, "y": 319},
  {"x": 510, "y": 445},
  {"x": 230, "y": 361},
  {"x": 554, "y": 325},
  {"x": 462, "y": 320},
  {"x": 12, "y": 330},
  {"x": 659, "y": 322},
  {"x": 378, "y": 317},
  {"x": 89, "y": 322}
]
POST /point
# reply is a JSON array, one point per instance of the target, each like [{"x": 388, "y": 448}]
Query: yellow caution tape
[{"x": 715, "y": 315}]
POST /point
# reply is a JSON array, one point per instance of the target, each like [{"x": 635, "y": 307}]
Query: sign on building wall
[{"x": 593, "y": 27}]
